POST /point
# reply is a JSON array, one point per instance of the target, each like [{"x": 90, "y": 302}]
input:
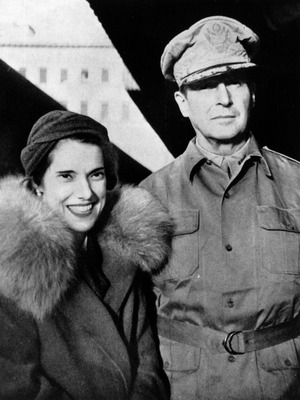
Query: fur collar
[
  {"x": 135, "y": 228},
  {"x": 37, "y": 253}
]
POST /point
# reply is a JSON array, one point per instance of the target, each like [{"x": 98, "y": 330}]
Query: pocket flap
[
  {"x": 186, "y": 221},
  {"x": 274, "y": 218},
  {"x": 179, "y": 357}
]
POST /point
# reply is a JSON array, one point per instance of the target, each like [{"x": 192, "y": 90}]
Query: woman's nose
[
  {"x": 223, "y": 95},
  {"x": 84, "y": 190}
]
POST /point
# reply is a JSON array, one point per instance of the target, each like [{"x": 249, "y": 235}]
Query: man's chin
[{"x": 234, "y": 138}]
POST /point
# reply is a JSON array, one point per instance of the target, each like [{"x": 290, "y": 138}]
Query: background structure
[{"x": 139, "y": 31}]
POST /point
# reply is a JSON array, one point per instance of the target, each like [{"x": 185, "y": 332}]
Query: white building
[{"x": 76, "y": 64}]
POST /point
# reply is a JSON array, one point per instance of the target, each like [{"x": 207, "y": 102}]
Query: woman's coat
[{"x": 77, "y": 327}]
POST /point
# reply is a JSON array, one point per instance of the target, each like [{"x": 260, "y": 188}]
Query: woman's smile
[
  {"x": 75, "y": 183},
  {"x": 81, "y": 209}
]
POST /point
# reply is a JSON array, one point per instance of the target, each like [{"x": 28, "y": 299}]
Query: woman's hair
[{"x": 109, "y": 156}]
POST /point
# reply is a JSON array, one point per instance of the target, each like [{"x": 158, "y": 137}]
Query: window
[
  {"x": 84, "y": 107},
  {"x": 63, "y": 75},
  {"x": 43, "y": 75},
  {"x": 22, "y": 71},
  {"x": 105, "y": 75},
  {"x": 125, "y": 111},
  {"x": 84, "y": 75},
  {"x": 104, "y": 110}
]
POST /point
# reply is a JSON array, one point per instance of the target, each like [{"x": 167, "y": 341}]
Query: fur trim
[
  {"x": 137, "y": 230},
  {"x": 37, "y": 256}
]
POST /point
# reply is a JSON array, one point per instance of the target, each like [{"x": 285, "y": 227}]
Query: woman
[{"x": 73, "y": 315}]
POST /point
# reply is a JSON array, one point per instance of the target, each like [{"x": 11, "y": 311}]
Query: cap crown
[{"x": 211, "y": 46}]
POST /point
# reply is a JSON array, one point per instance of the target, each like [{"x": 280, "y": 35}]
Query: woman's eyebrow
[
  {"x": 98, "y": 169},
  {"x": 65, "y": 171}
]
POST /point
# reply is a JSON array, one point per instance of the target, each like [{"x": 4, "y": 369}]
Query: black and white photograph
[{"x": 150, "y": 200}]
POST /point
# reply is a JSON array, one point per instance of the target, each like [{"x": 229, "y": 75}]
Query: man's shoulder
[
  {"x": 159, "y": 177},
  {"x": 280, "y": 159}
]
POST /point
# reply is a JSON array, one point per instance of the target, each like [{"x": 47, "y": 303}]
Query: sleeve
[
  {"x": 21, "y": 376},
  {"x": 151, "y": 383}
]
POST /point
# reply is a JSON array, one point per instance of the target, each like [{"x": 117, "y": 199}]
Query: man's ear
[{"x": 182, "y": 103}]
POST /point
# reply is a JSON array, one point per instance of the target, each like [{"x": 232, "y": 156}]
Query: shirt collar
[
  {"x": 195, "y": 157},
  {"x": 218, "y": 159}
]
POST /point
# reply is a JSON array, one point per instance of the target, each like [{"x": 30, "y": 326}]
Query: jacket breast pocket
[
  {"x": 280, "y": 239},
  {"x": 184, "y": 259}
]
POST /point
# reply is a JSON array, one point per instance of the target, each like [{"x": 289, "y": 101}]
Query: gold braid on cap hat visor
[{"x": 210, "y": 72}]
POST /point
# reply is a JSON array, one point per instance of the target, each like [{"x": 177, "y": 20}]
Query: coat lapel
[{"x": 79, "y": 336}]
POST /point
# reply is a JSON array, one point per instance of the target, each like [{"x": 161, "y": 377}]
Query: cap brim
[{"x": 215, "y": 71}]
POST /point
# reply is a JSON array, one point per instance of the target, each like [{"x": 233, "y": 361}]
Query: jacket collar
[{"x": 194, "y": 158}]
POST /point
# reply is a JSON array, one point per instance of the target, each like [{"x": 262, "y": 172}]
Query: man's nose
[{"x": 223, "y": 95}]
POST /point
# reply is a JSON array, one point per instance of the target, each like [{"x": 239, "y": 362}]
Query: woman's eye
[
  {"x": 65, "y": 176},
  {"x": 98, "y": 175}
]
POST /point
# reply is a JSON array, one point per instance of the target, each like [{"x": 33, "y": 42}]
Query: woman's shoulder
[{"x": 37, "y": 257}]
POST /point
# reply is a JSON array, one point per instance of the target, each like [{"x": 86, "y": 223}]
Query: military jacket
[{"x": 235, "y": 267}]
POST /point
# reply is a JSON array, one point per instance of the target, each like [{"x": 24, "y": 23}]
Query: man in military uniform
[{"x": 229, "y": 300}]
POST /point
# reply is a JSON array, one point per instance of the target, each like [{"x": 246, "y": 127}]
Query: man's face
[{"x": 218, "y": 108}]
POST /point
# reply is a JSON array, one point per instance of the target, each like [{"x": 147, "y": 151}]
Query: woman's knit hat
[{"x": 57, "y": 125}]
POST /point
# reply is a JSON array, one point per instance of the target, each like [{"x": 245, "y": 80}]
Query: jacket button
[
  {"x": 166, "y": 364},
  {"x": 231, "y": 358},
  {"x": 230, "y": 303},
  {"x": 208, "y": 162},
  {"x": 227, "y": 195},
  {"x": 288, "y": 362},
  {"x": 228, "y": 247}
]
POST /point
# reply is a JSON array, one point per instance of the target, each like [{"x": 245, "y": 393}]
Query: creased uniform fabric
[
  {"x": 76, "y": 327},
  {"x": 235, "y": 266}
]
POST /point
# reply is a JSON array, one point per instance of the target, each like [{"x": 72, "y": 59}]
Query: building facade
[{"x": 89, "y": 78}]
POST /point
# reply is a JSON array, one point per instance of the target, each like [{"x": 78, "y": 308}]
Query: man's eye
[
  {"x": 210, "y": 85},
  {"x": 234, "y": 83}
]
